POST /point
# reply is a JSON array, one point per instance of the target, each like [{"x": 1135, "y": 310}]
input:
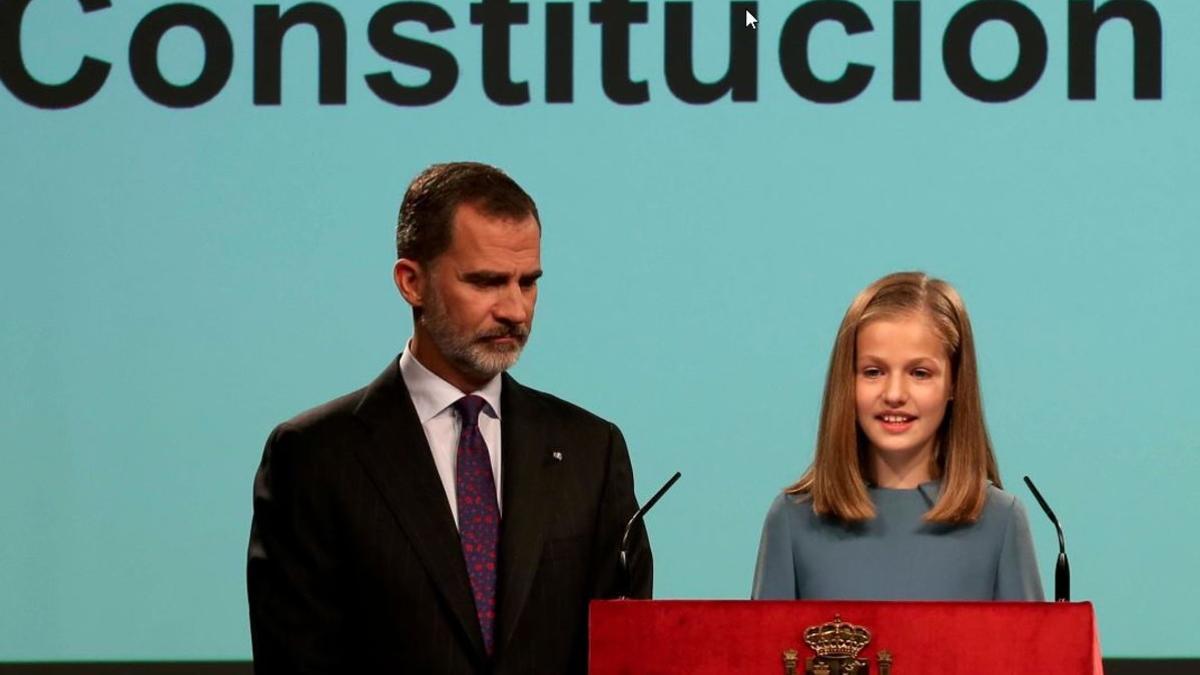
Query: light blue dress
[{"x": 897, "y": 556}]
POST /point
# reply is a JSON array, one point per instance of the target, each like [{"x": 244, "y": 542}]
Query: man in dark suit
[{"x": 444, "y": 519}]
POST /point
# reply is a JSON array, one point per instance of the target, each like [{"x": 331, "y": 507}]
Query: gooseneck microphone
[
  {"x": 1062, "y": 569},
  {"x": 626, "y": 576}
]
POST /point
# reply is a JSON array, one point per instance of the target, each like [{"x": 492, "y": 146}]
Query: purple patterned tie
[{"x": 478, "y": 513}]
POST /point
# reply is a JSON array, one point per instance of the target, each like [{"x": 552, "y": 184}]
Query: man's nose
[{"x": 513, "y": 306}]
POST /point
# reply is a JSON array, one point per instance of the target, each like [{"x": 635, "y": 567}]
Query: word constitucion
[{"x": 405, "y": 33}]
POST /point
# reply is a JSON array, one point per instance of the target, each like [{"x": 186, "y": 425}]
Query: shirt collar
[{"x": 431, "y": 395}]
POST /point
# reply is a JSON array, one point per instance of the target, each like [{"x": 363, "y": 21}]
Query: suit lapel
[
  {"x": 398, "y": 460},
  {"x": 528, "y": 490}
]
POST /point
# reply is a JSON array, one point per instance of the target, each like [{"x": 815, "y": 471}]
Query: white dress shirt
[{"x": 434, "y": 400}]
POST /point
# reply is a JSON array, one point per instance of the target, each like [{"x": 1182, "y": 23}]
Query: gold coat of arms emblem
[{"x": 836, "y": 646}]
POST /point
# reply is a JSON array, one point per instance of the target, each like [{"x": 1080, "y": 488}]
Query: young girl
[{"x": 903, "y": 498}]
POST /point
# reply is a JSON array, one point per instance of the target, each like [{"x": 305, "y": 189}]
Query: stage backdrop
[{"x": 198, "y": 233}]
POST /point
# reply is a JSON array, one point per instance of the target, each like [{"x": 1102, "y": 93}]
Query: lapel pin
[{"x": 557, "y": 455}]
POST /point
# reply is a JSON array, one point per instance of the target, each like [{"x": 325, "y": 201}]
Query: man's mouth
[{"x": 509, "y": 338}]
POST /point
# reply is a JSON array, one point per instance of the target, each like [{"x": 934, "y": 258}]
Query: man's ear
[{"x": 411, "y": 279}]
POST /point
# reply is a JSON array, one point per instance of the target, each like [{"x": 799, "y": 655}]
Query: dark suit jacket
[{"x": 355, "y": 564}]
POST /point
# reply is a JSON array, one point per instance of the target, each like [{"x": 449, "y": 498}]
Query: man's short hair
[{"x": 427, "y": 212}]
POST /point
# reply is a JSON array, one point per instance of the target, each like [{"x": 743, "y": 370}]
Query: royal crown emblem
[
  {"x": 837, "y": 645},
  {"x": 837, "y": 638}
]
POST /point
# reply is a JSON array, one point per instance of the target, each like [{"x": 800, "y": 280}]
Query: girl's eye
[
  {"x": 871, "y": 372},
  {"x": 922, "y": 374}
]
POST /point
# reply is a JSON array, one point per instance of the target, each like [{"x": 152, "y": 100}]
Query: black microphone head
[{"x": 1041, "y": 501}]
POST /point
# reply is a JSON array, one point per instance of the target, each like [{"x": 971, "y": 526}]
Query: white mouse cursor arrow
[{"x": 751, "y": 21}]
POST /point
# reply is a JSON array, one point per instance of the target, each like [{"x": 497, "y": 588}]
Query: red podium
[{"x": 704, "y": 637}]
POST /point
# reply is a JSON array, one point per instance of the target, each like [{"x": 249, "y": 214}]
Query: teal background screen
[{"x": 177, "y": 281}]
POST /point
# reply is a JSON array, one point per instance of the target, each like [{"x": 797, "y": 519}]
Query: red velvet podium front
[{"x": 699, "y": 637}]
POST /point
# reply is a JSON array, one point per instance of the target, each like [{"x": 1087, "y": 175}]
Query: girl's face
[{"x": 902, "y": 385}]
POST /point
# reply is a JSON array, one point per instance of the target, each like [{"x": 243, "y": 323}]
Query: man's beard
[{"x": 472, "y": 354}]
